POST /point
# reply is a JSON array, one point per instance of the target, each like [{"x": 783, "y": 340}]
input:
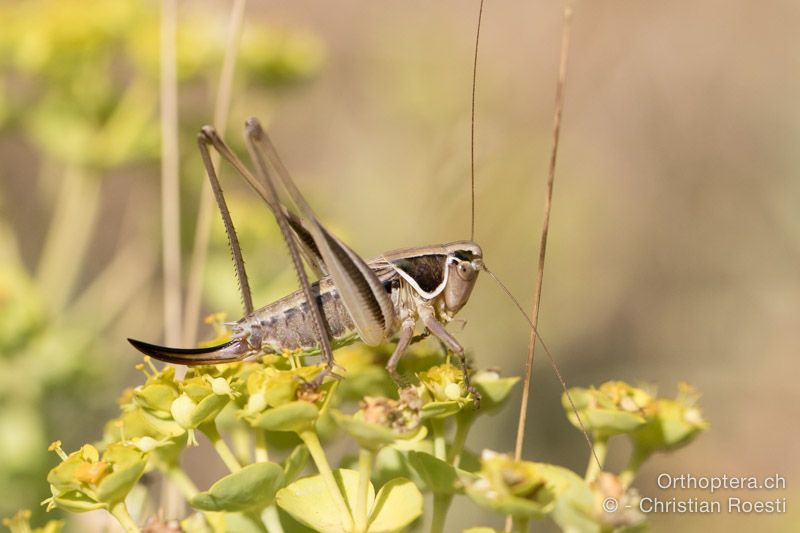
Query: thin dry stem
[
  {"x": 203, "y": 223},
  {"x": 170, "y": 201},
  {"x": 472, "y": 124},
  {"x": 559, "y": 106}
]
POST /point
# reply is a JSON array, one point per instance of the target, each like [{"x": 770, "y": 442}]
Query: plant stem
[
  {"x": 521, "y": 524},
  {"x": 441, "y": 504},
  {"x": 439, "y": 442},
  {"x": 365, "y": 458},
  {"x": 600, "y": 450},
  {"x": 242, "y": 442},
  {"x": 261, "y": 453},
  {"x": 311, "y": 440},
  {"x": 120, "y": 512},
  {"x": 548, "y": 202},
  {"x": 629, "y": 473},
  {"x": 463, "y": 425},
  {"x": 272, "y": 519},
  {"x": 184, "y": 483},
  {"x": 221, "y": 447}
]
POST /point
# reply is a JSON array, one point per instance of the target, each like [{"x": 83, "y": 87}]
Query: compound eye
[{"x": 464, "y": 270}]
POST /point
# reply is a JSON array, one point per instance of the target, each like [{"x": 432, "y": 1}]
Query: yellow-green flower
[
  {"x": 20, "y": 523},
  {"x": 512, "y": 487},
  {"x": 268, "y": 387},
  {"x": 381, "y": 421},
  {"x": 614, "y": 407},
  {"x": 442, "y": 391},
  {"x": 85, "y": 481},
  {"x": 670, "y": 424}
]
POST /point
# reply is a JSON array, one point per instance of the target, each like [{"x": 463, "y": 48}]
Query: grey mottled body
[
  {"x": 287, "y": 324},
  {"x": 427, "y": 285}
]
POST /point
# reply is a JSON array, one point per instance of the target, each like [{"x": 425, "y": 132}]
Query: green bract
[
  {"x": 670, "y": 424},
  {"x": 439, "y": 476},
  {"x": 84, "y": 481},
  {"x": 615, "y": 407},
  {"x": 494, "y": 390},
  {"x": 396, "y": 505},
  {"x": 270, "y": 387},
  {"x": 442, "y": 391},
  {"x": 517, "y": 488},
  {"x": 253, "y": 486},
  {"x": 383, "y": 421}
]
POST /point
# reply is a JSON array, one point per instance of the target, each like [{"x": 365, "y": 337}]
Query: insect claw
[
  {"x": 326, "y": 373},
  {"x": 476, "y": 402}
]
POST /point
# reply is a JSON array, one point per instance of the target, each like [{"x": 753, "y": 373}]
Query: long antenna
[
  {"x": 472, "y": 124},
  {"x": 559, "y": 106},
  {"x": 553, "y": 364}
]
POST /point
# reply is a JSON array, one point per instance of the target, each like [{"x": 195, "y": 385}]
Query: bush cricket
[{"x": 373, "y": 301}]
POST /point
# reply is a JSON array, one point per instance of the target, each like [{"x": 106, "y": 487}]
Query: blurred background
[{"x": 674, "y": 248}]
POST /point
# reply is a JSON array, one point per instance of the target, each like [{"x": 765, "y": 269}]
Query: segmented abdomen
[{"x": 288, "y": 325}]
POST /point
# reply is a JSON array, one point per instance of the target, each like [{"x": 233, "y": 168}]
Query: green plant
[
  {"x": 260, "y": 417},
  {"x": 409, "y": 440},
  {"x": 79, "y": 90}
]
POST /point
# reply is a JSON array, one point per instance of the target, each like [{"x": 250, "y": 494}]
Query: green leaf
[
  {"x": 116, "y": 486},
  {"x": 669, "y": 427},
  {"x": 470, "y": 461},
  {"x": 494, "y": 392},
  {"x": 573, "y": 510},
  {"x": 294, "y": 416},
  {"x": 62, "y": 476},
  {"x": 122, "y": 455},
  {"x": 156, "y": 397},
  {"x": 390, "y": 463},
  {"x": 440, "y": 409},
  {"x": 370, "y": 436},
  {"x": 252, "y": 486},
  {"x": 609, "y": 422},
  {"x": 397, "y": 504},
  {"x": 309, "y": 501},
  {"x": 439, "y": 476},
  {"x": 208, "y": 408},
  {"x": 240, "y": 523},
  {"x": 162, "y": 427},
  {"x": 295, "y": 463},
  {"x": 169, "y": 453},
  {"x": 75, "y": 501}
]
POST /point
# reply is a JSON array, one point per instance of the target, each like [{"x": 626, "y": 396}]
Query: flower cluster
[{"x": 410, "y": 440}]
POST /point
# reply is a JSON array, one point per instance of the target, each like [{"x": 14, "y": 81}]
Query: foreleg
[
  {"x": 438, "y": 330},
  {"x": 406, "y": 335}
]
